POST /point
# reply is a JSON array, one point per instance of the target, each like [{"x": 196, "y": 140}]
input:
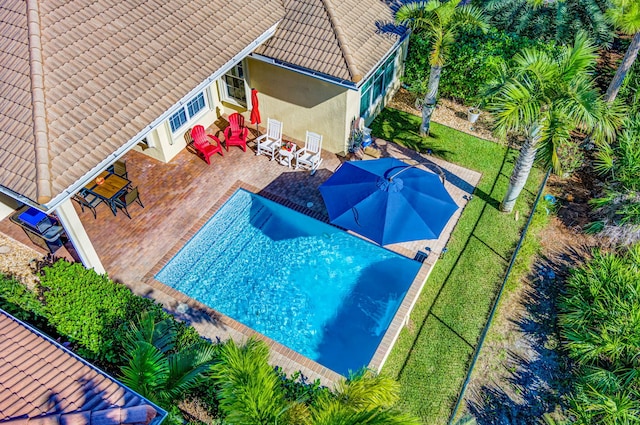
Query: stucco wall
[
  {"x": 165, "y": 145},
  {"x": 303, "y": 103}
]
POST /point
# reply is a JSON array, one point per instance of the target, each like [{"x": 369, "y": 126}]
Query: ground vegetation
[
  {"x": 557, "y": 21},
  {"x": 600, "y": 326},
  {"x": 440, "y": 23}
]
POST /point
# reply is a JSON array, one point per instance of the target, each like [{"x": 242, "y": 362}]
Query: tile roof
[
  {"x": 80, "y": 78},
  {"x": 340, "y": 38},
  {"x": 43, "y": 384}
]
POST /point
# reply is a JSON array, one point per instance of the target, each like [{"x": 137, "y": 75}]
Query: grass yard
[{"x": 433, "y": 353}]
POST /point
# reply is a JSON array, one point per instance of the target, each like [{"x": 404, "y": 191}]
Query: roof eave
[
  {"x": 92, "y": 174},
  {"x": 306, "y": 71}
]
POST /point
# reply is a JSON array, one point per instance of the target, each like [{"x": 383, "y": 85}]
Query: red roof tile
[{"x": 67, "y": 391}]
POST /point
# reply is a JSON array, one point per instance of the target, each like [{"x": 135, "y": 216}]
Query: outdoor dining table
[{"x": 110, "y": 189}]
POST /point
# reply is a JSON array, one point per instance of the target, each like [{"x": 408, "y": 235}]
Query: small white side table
[{"x": 285, "y": 156}]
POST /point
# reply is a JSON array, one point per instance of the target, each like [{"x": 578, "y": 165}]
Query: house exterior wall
[
  {"x": 377, "y": 107},
  {"x": 299, "y": 101},
  {"x": 164, "y": 145},
  {"x": 303, "y": 103}
]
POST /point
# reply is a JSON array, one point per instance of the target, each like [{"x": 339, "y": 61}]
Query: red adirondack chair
[
  {"x": 236, "y": 133},
  {"x": 202, "y": 145}
]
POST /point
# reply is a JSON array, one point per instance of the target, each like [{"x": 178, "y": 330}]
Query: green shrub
[
  {"x": 553, "y": 20},
  {"x": 89, "y": 308},
  {"x": 600, "y": 324},
  {"x": 18, "y": 300},
  {"x": 471, "y": 64}
]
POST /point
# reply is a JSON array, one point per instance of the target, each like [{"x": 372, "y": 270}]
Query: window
[
  {"x": 234, "y": 86},
  {"x": 365, "y": 98},
  {"x": 376, "y": 86},
  {"x": 180, "y": 118}
]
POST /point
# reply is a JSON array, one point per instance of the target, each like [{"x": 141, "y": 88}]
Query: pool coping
[{"x": 234, "y": 329}]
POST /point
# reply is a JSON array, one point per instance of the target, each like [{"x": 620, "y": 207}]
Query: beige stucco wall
[
  {"x": 299, "y": 101},
  {"x": 303, "y": 103},
  {"x": 165, "y": 145}
]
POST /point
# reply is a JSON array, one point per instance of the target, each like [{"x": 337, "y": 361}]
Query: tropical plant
[
  {"x": 545, "y": 99},
  {"x": 618, "y": 208},
  {"x": 364, "y": 398},
  {"x": 157, "y": 366},
  {"x": 441, "y": 22},
  {"x": 625, "y": 16},
  {"x": 600, "y": 324},
  {"x": 552, "y": 20},
  {"x": 250, "y": 391},
  {"x": 471, "y": 63}
]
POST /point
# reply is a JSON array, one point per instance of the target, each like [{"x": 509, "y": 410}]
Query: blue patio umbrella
[{"x": 387, "y": 201}]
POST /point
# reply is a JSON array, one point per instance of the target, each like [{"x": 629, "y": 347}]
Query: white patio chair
[
  {"x": 309, "y": 156},
  {"x": 270, "y": 142}
]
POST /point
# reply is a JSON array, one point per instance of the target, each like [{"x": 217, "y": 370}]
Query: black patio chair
[
  {"x": 88, "y": 200},
  {"x": 127, "y": 199}
]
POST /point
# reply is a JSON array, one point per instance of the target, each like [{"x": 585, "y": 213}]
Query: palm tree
[
  {"x": 441, "y": 21},
  {"x": 364, "y": 398},
  {"x": 625, "y": 16},
  {"x": 250, "y": 391},
  {"x": 156, "y": 367},
  {"x": 544, "y": 99}
]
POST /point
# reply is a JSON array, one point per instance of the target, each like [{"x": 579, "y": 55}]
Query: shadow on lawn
[{"x": 537, "y": 372}]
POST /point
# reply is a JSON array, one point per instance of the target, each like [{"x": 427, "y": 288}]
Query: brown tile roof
[
  {"x": 43, "y": 384},
  {"x": 340, "y": 38},
  {"x": 80, "y": 78}
]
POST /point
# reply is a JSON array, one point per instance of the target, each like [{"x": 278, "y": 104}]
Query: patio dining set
[
  {"x": 270, "y": 144},
  {"x": 113, "y": 188}
]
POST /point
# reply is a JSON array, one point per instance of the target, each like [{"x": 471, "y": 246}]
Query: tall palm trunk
[
  {"x": 521, "y": 170},
  {"x": 430, "y": 99},
  {"x": 625, "y": 66}
]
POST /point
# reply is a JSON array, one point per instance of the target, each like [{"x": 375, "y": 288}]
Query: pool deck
[{"x": 179, "y": 197}]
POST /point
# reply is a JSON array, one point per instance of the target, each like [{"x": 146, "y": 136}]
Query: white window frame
[
  {"x": 222, "y": 88},
  {"x": 185, "y": 109}
]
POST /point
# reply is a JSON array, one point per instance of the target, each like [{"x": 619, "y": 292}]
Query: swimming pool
[{"x": 318, "y": 290}]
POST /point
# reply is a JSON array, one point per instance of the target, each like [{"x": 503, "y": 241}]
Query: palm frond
[
  {"x": 417, "y": 15},
  {"x": 146, "y": 371},
  {"x": 147, "y": 328},
  {"x": 604, "y": 157},
  {"x": 515, "y": 107},
  {"x": 187, "y": 367},
  {"x": 579, "y": 58},
  {"x": 249, "y": 387},
  {"x": 625, "y": 16},
  {"x": 366, "y": 390}
]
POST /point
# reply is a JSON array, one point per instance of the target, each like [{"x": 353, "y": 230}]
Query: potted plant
[{"x": 473, "y": 114}]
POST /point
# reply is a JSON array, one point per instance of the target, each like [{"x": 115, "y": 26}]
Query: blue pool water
[{"x": 313, "y": 288}]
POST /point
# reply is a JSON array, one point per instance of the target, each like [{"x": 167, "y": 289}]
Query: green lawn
[{"x": 432, "y": 355}]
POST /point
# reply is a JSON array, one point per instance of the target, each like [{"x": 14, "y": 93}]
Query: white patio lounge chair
[
  {"x": 270, "y": 143},
  {"x": 309, "y": 156}
]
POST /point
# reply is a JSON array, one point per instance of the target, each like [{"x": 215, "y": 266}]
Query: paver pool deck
[{"x": 179, "y": 197}]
